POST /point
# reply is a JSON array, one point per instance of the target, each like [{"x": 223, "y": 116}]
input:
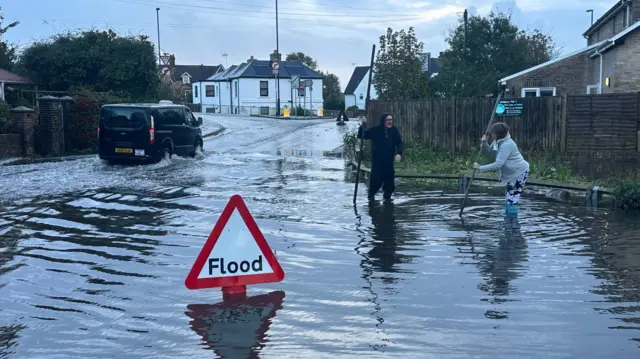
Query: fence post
[
  {"x": 24, "y": 121},
  {"x": 453, "y": 126},
  {"x": 638, "y": 124},
  {"x": 563, "y": 123}
]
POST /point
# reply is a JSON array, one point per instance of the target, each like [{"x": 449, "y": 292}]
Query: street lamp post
[
  {"x": 158, "y": 26},
  {"x": 278, "y": 60}
]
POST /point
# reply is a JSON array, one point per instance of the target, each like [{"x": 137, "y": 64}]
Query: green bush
[
  {"x": 627, "y": 194},
  {"x": 422, "y": 159},
  {"x": 85, "y": 115},
  {"x": 353, "y": 108},
  {"x": 302, "y": 111}
]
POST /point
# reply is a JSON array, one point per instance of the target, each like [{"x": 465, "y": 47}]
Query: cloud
[{"x": 336, "y": 33}]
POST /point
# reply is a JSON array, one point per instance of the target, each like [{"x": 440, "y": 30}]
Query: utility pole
[
  {"x": 278, "y": 60},
  {"x": 591, "y": 11},
  {"x": 466, "y": 29},
  {"x": 158, "y": 25}
]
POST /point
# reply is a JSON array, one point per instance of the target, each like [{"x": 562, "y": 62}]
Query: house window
[
  {"x": 547, "y": 92},
  {"x": 195, "y": 93},
  {"x": 210, "y": 91},
  {"x": 236, "y": 88},
  {"x": 185, "y": 79},
  {"x": 361, "y": 97},
  {"x": 538, "y": 92},
  {"x": 301, "y": 92},
  {"x": 592, "y": 89},
  {"x": 264, "y": 88}
]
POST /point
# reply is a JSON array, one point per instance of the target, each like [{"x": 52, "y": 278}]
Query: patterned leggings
[{"x": 515, "y": 188}]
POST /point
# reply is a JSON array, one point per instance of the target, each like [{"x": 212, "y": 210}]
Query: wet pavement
[{"x": 93, "y": 261}]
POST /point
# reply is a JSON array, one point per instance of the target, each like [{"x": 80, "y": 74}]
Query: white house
[
  {"x": 355, "y": 94},
  {"x": 250, "y": 88}
]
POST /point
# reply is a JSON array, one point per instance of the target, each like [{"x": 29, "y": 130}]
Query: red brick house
[
  {"x": 186, "y": 75},
  {"x": 610, "y": 63}
]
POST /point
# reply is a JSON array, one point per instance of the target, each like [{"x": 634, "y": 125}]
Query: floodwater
[{"x": 93, "y": 261}]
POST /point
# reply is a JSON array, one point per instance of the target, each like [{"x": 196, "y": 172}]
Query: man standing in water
[{"x": 386, "y": 146}]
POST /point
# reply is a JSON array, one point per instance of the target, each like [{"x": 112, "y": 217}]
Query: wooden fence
[{"x": 560, "y": 124}]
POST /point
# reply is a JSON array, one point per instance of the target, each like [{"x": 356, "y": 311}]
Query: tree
[
  {"x": 7, "y": 51},
  {"x": 99, "y": 60},
  {"x": 495, "y": 48},
  {"x": 331, "y": 93},
  {"x": 300, "y": 56},
  {"x": 398, "y": 67}
]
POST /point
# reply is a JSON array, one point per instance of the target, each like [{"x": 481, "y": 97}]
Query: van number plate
[{"x": 124, "y": 150}]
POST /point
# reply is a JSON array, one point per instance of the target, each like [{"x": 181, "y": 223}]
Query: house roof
[
  {"x": 11, "y": 78},
  {"x": 197, "y": 72},
  {"x": 601, "y": 20},
  {"x": 550, "y": 62},
  {"x": 223, "y": 75},
  {"x": 616, "y": 39},
  {"x": 262, "y": 68},
  {"x": 358, "y": 74},
  {"x": 434, "y": 65}
]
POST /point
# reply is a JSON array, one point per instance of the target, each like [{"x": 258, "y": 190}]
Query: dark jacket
[{"x": 385, "y": 143}]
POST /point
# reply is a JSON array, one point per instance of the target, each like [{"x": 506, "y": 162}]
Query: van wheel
[
  {"x": 197, "y": 147},
  {"x": 166, "y": 154}
]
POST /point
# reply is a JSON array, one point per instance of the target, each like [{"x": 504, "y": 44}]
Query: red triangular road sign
[{"x": 235, "y": 254}]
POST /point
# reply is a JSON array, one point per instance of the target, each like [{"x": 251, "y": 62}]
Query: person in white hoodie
[{"x": 513, "y": 169}]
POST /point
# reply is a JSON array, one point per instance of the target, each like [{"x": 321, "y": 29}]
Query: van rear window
[{"x": 123, "y": 117}]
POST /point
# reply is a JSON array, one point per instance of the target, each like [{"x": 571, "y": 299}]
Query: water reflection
[
  {"x": 383, "y": 255},
  {"x": 236, "y": 328},
  {"x": 8, "y": 339},
  {"x": 501, "y": 263}
]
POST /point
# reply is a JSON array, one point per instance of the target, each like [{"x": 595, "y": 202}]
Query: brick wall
[
  {"x": 568, "y": 76},
  {"x": 11, "y": 145},
  {"x": 627, "y": 75},
  {"x": 50, "y": 133},
  {"x": 609, "y": 68},
  {"x": 572, "y": 76},
  {"x": 616, "y": 24},
  {"x": 593, "y": 68}
]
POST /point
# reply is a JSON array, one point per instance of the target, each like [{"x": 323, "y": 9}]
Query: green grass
[
  {"x": 421, "y": 159},
  {"x": 543, "y": 166}
]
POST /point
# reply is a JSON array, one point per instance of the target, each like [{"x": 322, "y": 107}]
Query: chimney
[
  {"x": 440, "y": 54},
  {"x": 251, "y": 58}
]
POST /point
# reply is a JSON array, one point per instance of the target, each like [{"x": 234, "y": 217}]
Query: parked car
[{"x": 147, "y": 132}]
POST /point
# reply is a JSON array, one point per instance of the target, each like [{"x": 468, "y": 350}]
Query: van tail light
[{"x": 152, "y": 132}]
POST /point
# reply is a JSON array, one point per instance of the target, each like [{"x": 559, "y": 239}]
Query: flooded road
[{"x": 93, "y": 261}]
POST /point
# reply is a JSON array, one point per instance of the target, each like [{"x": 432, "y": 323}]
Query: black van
[{"x": 147, "y": 132}]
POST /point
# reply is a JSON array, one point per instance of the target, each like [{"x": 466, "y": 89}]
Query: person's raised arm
[{"x": 486, "y": 148}]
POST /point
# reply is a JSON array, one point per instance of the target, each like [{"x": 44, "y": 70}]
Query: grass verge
[{"x": 543, "y": 166}]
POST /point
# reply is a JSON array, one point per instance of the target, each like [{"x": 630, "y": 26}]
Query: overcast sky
[{"x": 337, "y": 33}]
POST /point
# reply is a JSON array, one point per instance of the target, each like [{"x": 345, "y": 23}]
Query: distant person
[
  {"x": 512, "y": 168},
  {"x": 386, "y": 146},
  {"x": 342, "y": 116}
]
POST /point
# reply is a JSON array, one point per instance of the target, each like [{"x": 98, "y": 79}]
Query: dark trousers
[{"x": 382, "y": 177}]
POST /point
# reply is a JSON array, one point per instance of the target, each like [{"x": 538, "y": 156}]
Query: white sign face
[
  {"x": 295, "y": 81},
  {"x": 236, "y": 253}
]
